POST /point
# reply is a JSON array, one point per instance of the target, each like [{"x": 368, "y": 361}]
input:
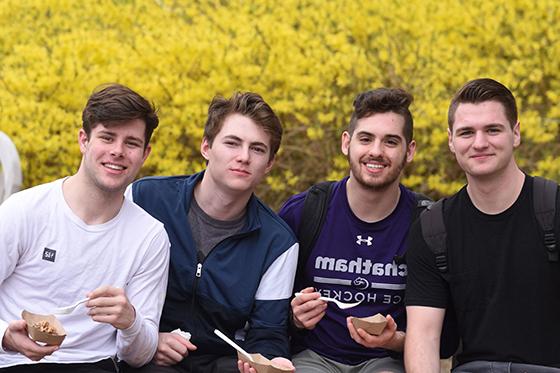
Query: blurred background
[{"x": 307, "y": 58}]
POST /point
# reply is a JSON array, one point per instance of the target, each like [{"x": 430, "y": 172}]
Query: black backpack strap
[
  {"x": 422, "y": 203},
  {"x": 433, "y": 231},
  {"x": 312, "y": 219},
  {"x": 544, "y": 203}
]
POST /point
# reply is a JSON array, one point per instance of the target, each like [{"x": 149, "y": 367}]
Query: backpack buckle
[
  {"x": 441, "y": 262},
  {"x": 550, "y": 244}
]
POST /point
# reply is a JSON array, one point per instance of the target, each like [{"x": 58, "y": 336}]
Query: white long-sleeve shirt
[{"x": 50, "y": 258}]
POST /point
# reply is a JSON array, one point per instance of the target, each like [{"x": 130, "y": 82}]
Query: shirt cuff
[
  {"x": 134, "y": 329},
  {"x": 3, "y": 328}
]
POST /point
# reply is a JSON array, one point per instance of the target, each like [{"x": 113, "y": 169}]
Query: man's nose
[
  {"x": 480, "y": 140},
  {"x": 376, "y": 148},
  {"x": 117, "y": 149},
  {"x": 244, "y": 154}
]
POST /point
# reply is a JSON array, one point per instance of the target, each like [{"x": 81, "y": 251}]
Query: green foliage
[{"x": 308, "y": 58}]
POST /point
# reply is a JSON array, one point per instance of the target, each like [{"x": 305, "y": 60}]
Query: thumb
[{"x": 18, "y": 325}]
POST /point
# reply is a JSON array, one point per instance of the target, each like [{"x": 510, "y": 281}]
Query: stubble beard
[{"x": 376, "y": 184}]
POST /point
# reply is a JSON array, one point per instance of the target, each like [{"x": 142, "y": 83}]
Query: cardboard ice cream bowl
[
  {"x": 372, "y": 324},
  {"x": 52, "y": 339},
  {"x": 262, "y": 364}
]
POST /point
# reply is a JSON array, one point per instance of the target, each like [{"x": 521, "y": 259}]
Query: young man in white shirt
[{"x": 78, "y": 237}]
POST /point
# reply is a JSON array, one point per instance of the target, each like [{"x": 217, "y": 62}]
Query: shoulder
[
  {"x": 34, "y": 197},
  {"x": 161, "y": 193},
  {"x": 160, "y": 183},
  {"x": 140, "y": 217},
  {"x": 295, "y": 203},
  {"x": 292, "y": 204},
  {"x": 271, "y": 223}
]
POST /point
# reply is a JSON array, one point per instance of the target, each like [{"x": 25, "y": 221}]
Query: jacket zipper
[{"x": 200, "y": 260}]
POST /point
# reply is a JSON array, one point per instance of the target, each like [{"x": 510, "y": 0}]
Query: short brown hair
[
  {"x": 250, "y": 105},
  {"x": 481, "y": 90},
  {"x": 114, "y": 103},
  {"x": 383, "y": 100}
]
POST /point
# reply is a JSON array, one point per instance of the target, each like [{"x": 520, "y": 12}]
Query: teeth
[
  {"x": 114, "y": 166},
  {"x": 370, "y": 165}
]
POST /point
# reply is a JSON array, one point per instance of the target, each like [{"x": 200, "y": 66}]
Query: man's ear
[
  {"x": 410, "y": 151},
  {"x": 517, "y": 134},
  {"x": 269, "y": 165},
  {"x": 345, "y": 142},
  {"x": 204, "y": 147},
  {"x": 83, "y": 140},
  {"x": 147, "y": 152},
  {"x": 450, "y": 141}
]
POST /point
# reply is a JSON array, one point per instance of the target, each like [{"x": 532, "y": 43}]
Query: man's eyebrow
[
  {"x": 389, "y": 135},
  {"x": 259, "y": 143},
  {"x": 107, "y": 132},
  {"x": 364, "y": 133},
  {"x": 488, "y": 125},
  {"x": 393, "y": 136},
  {"x": 113, "y": 133},
  {"x": 135, "y": 138},
  {"x": 236, "y": 138},
  {"x": 232, "y": 137}
]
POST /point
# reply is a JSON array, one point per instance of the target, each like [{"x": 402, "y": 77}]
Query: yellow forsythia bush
[{"x": 308, "y": 58}]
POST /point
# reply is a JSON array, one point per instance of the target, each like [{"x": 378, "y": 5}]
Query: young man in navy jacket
[{"x": 233, "y": 260}]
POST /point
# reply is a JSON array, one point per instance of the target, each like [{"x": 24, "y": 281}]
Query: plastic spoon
[
  {"x": 68, "y": 309},
  {"x": 233, "y": 344}
]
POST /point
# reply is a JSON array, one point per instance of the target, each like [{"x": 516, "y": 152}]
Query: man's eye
[{"x": 259, "y": 149}]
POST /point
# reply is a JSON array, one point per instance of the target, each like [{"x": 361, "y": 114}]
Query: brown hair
[
  {"x": 250, "y": 105},
  {"x": 383, "y": 100},
  {"x": 114, "y": 103},
  {"x": 482, "y": 90}
]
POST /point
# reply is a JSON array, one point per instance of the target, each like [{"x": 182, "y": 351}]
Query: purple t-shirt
[{"x": 351, "y": 261}]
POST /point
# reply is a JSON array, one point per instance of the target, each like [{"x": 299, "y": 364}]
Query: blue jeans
[{"x": 502, "y": 367}]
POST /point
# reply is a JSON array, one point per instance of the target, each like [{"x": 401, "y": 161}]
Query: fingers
[
  {"x": 16, "y": 339},
  {"x": 306, "y": 295},
  {"x": 282, "y": 362},
  {"x": 372, "y": 341},
  {"x": 171, "y": 349},
  {"x": 245, "y": 367},
  {"x": 110, "y": 305},
  {"x": 105, "y": 291},
  {"x": 308, "y": 309}
]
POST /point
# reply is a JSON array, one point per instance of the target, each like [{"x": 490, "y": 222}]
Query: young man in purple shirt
[{"x": 356, "y": 255}]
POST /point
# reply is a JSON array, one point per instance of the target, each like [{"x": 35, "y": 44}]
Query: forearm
[
  {"x": 421, "y": 355},
  {"x": 397, "y": 342},
  {"x": 137, "y": 344},
  {"x": 421, "y": 351},
  {"x": 3, "y": 327},
  {"x": 270, "y": 343}
]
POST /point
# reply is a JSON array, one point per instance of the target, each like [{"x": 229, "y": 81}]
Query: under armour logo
[{"x": 360, "y": 240}]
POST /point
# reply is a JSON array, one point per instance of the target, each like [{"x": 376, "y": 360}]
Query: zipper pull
[{"x": 200, "y": 258}]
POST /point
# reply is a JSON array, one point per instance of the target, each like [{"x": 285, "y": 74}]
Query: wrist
[
  {"x": 6, "y": 346},
  {"x": 397, "y": 342},
  {"x": 296, "y": 323}
]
